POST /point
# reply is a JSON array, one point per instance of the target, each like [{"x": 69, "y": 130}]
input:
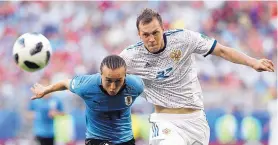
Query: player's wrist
[
  {"x": 252, "y": 63},
  {"x": 47, "y": 90}
]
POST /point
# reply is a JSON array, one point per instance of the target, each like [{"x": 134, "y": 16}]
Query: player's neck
[{"x": 163, "y": 46}]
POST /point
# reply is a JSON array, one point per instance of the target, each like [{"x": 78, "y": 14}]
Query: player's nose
[
  {"x": 112, "y": 86},
  {"x": 151, "y": 38}
]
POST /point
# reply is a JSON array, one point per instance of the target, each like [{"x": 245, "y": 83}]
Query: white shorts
[{"x": 179, "y": 129}]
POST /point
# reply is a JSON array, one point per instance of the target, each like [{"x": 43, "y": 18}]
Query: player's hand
[
  {"x": 263, "y": 65},
  {"x": 38, "y": 90}
]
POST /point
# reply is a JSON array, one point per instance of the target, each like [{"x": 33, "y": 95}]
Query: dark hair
[
  {"x": 147, "y": 16},
  {"x": 112, "y": 62}
]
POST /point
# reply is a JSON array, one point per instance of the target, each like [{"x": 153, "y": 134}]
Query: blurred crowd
[{"x": 82, "y": 33}]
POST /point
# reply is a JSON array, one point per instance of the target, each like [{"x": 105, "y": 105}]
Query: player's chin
[
  {"x": 112, "y": 93},
  {"x": 153, "y": 49}
]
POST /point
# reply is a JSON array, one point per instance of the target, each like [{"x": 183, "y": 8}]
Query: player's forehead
[
  {"x": 114, "y": 77},
  {"x": 150, "y": 27},
  {"x": 107, "y": 69},
  {"x": 114, "y": 73},
  {"x": 149, "y": 31}
]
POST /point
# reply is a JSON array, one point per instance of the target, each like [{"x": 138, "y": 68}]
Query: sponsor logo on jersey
[
  {"x": 128, "y": 100},
  {"x": 147, "y": 65},
  {"x": 175, "y": 55}
]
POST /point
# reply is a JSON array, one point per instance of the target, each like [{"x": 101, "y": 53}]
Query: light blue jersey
[
  {"x": 107, "y": 117},
  {"x": 43, "y": 124}
]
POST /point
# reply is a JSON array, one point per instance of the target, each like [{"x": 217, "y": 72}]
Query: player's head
[
  {"x": 113, "y": 72},
  {"x": 150, "y": 30}
]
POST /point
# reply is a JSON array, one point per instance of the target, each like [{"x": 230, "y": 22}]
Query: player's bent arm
[
  {"x": 60, "y": 86},
  {"x": 235, "y": 56},
  {"x": 40, "y": 91}
]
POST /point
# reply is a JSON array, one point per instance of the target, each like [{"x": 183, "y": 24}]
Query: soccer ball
[{"x": 32, "y": 51}]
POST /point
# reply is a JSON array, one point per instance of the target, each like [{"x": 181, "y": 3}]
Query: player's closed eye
[
  {"x": 116, "y": 82},
  {"x": 109, "y": 81}
]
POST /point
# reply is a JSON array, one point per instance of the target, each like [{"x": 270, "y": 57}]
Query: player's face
[
  {"x": 152, "y": 35},
  {"x": 113, "y": 80}
]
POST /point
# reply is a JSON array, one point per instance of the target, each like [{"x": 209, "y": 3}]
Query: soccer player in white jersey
[{"x": 165, "y": 62}]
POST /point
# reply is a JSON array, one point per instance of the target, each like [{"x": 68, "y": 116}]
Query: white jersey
[{"x": 170, "y": 76}]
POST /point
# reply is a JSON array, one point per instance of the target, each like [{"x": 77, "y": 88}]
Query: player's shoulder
[
  {"x": 174, "y": 32},
  {"x": 86, "y": 80},
  {"x": 135, "y": 46},
  {"x": 132, "y": 50},
  {"x": 179, "y": 33},
  {"x": 135, "y": 82}
]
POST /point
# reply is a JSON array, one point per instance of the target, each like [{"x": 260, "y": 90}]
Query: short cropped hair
[
  {"x": 112, "y": 62},
  {"x": 147, "y": 16}
]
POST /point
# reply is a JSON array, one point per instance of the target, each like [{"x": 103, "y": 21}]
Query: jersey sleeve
[
  {"x": 201, "y": 44},
  {"x": 128, "y": 55},
  {"x": 140, "y": 85},
  {"x": 137, "y": 83},
  {"x": 124, "y": 55},
  {"x": 79, "y": 84}
]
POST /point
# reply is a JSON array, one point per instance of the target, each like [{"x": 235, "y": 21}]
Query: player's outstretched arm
[
  {"x": 235, "y": 56},
  {"x": 40, "y": 90}
]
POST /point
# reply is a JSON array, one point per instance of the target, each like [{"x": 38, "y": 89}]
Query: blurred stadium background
[{"x": 237, "y": 99}]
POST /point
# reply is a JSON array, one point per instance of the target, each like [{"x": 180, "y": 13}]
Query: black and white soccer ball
[{"x": 32, "y": 51}]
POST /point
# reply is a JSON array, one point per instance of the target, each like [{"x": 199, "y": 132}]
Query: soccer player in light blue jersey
[
  {"x": 43, "y": 112},
  {"x": 108, "y": 97}
]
